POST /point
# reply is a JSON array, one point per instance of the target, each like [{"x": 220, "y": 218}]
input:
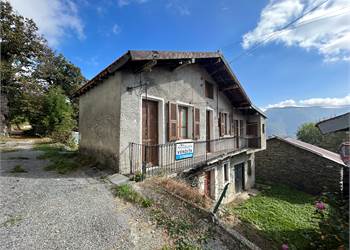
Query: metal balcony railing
[{"x": 174, "y": 157}]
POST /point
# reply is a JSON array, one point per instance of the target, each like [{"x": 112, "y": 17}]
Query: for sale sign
[{"x": 184, "y": 150}]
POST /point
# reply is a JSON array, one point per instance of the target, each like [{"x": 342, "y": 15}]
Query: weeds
[
  {"x": 12, "y": 221},
  {"x": 185, "y": 191},
  {"x": 62, "y": 160},
  {"x": 18, "y": 169},
  {"x": 127, "y": 193}
]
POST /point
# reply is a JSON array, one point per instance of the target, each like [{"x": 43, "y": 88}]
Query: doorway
[
  {"x": 239, "y": 177},
  {"x": 207, "y": 183},
  {"x": 150, "y": 132},
  {"x": 208, "y": 131}
]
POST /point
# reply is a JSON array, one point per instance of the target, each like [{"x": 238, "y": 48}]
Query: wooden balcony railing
[{"x": 169, "y": 158}]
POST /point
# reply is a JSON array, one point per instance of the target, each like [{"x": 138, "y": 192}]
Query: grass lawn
[
  {"x": 62, "y": 160},
  {"x": 281, "y": 214}
]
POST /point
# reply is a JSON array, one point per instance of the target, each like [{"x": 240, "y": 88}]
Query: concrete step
[{"x": 118, "y": 179}]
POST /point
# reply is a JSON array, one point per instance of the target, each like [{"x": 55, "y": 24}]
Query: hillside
[{"x": 285, "y": 121}]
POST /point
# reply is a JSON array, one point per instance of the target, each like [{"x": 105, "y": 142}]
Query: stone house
[
  {"x": 160, "y": 113},
  {"x": 300, "y": 165}
]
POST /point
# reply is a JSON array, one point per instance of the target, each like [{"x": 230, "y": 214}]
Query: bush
[
  {"x": 333, "y": 215},
  {"x": 56, "y": 118},
  {"x": 127, "y": 193}
]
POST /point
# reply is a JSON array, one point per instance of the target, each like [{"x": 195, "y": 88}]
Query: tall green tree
[
  {"x": 309, "y": 133},
  {"x": 56, "y": 117},
  {"x": 29, "y": 68},
  {"x": 21, "y": 48}
]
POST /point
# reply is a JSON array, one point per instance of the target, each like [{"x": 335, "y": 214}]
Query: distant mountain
[{"x": 286, "y": 121}]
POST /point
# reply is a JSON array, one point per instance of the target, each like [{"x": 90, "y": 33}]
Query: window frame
[
  {"x": 180, "y": 127},
  {"x": 209, "y": 90},
  {"x": 226, "y": 170}
]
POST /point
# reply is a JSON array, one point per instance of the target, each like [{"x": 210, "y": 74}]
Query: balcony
[{"x": 175, "y": 157}]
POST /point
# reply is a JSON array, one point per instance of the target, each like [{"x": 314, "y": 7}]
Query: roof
[
  {"x": 335, "y": 124},
  {"x": 213, "y": 62},
  {"x": 311, "y": 148}
]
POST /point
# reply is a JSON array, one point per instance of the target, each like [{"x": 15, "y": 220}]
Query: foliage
[
  {"x": 178, "y": 229},
  {"x": 18, "y": 169},
  {"x": 333, "y": 223},
  {"x": 62, "y": 160},
  {"x": 126, "y": 192},
  {"x": 56, "y": 116},
  {"x": 282, "y": 214},
  {"x": 309, "y": 133},
  {"x": 29, "y": 68}
]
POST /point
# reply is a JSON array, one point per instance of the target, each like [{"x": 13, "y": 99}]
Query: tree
[
  {"x": 309, "y": 133},
  {"x": 29, "y": 69},
  {"x": 56, "y": 117}
]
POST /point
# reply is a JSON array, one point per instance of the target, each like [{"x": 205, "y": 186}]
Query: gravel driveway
[{"x": 46, "y": 210}]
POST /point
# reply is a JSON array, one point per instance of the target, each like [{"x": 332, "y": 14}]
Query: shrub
[
  {"x": 56, "y": 118},
  {"x": 127, "y": 193},
  {"x": 333, "y": 215}
]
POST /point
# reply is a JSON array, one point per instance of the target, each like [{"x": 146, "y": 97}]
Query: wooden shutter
[
  {"x": 196, "y": 123},
  {"x": 232, "y": 126},
  {"x": 172, "y": 115},
  {"x": 222, "y": 124}
]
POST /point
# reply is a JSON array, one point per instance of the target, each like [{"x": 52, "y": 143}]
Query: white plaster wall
[{"x": 99, "y": 111}]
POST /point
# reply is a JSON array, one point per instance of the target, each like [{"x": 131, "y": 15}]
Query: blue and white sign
[{"x": 184, "y": 150}]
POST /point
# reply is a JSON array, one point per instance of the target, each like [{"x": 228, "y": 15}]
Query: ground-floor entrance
[
  {"x": 239, "y": 177},
  {"x": 150, "y": 132}
]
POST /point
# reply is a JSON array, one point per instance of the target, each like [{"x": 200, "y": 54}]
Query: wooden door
[
  {"x": 239, "y": 177},
  {"x": 236, "y": 133},
  {"x": 208, "y": 130},
  {"x": 150, "y": 132},
  {"x": 207, "y": 183}
]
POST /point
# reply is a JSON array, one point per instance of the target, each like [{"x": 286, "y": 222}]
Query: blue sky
[{"x": 292, "y": 68}]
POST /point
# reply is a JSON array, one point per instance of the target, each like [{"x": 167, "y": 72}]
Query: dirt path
[{"x": 44, "y": 210}]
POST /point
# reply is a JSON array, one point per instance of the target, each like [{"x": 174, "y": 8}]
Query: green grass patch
[
  {"x": 12, "y": 221},
  {"x": 18, "y": 169},
  {"x": 127, "y": 193},
  {"x": 281, "y": 214},
  {"x": 62, "y": 160}
]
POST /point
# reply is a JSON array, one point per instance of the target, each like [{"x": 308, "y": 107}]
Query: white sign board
[{"x": 184, "y": 150}]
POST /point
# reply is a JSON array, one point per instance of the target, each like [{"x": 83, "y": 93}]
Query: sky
[{"x": 306, "y": 63}]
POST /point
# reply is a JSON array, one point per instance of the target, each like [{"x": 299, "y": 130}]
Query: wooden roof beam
[
  {"x": 184, "y": 64},
  {"x": 230, "y": 88},
  {"x": 146, "y": 66}
]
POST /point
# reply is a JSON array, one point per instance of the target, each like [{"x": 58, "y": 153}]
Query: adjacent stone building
[{"x": 300, "y": 165}]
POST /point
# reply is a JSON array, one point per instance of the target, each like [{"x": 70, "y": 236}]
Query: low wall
[{"x": 298, "y": 168}]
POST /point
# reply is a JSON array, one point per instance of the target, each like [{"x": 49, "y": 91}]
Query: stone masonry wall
[{"x": 298, "y": 168}]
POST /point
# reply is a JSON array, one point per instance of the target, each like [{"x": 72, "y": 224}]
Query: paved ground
[{"x": 46, "y": 210}]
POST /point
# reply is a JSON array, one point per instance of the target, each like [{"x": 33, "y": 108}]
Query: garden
[{"x": 280, "y": 217}]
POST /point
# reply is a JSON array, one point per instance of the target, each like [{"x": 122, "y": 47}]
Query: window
[
  {"x": 252, "y": 128},
  {"x": 263, "y": 128},
  {"x": 209, "y": 90},
  {"x": 183, "y": 122},
  {"x": 226, "y": 174},
  {"x": 241, "y": 128},
  {"x": 224, "y": 124}
]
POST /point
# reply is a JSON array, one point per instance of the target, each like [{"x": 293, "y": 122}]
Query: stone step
[{"x": 118, "y": 179}]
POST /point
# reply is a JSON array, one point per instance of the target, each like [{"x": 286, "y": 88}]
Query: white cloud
[
  {"x": 54, "y": 18},
  {"x": 116, "y": 29},
  {"x": 324, "y": 102},
  {"x": 122, "y": 3},
  {"x": 178, "y": 7},
  {"x": 326, "y": 29}
]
